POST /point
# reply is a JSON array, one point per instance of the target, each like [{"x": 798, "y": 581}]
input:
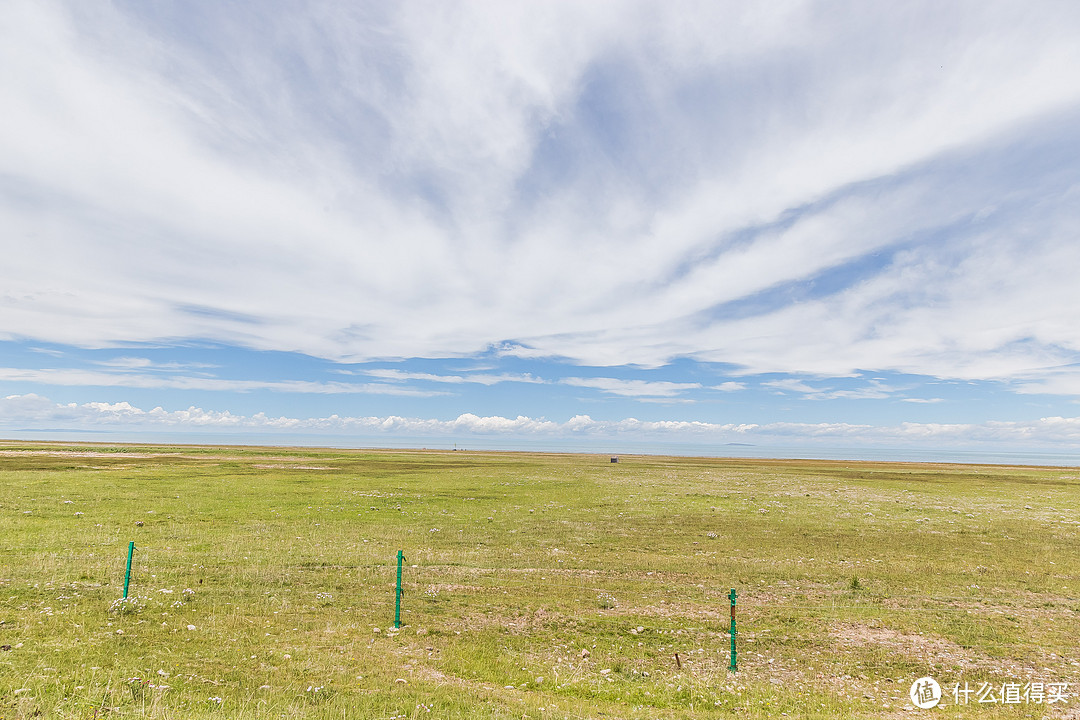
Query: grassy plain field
[{"x": 539, "y": 586}]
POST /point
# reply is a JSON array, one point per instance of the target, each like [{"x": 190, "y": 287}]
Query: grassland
[{"x": 539, "y": 586}]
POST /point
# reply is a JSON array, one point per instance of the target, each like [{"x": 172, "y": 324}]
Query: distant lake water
[{"x": 612, "y": 446}]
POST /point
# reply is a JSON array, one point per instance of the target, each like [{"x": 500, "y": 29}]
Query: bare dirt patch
[
  {"x": 83, "y": 454},
  {"x": 934, "y": 651}
]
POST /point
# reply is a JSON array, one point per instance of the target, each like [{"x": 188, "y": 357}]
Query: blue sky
[{"x": 810, "y": 223}]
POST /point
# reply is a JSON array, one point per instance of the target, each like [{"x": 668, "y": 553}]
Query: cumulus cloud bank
[
  {"x": 782, "y": 187},
  {"x": 34, "y": 411}
]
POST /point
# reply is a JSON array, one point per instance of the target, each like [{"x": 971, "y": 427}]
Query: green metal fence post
[
  {"x": 127, "y": 575},
  {"x": 397, "y": 597},
  {"x": 734, "y": 665}
]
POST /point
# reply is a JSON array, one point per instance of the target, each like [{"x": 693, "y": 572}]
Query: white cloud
[
  {"x": 141, "y": 363},
  {"x": 127, "y": 363},
  {"x": 729, "y": 386},
  {"x": 47, "y": 351},
  {"x": 632, "y": 388},
  {"x": 477, "y": 378},
  {"x": 1059, "y": 381},
  {"x": 791, "y": 385},
  {"x": 874, "y": 390}
]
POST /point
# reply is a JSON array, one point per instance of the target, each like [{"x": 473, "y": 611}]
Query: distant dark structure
[{"x": 615, "y": 458}]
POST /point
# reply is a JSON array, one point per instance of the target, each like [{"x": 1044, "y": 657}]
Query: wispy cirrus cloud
[
  {"x": 632, "y": 388},
  {"x": 1064, "y": 380},
  {"x": 477, "y": 378},
  {"x": 91, "y": 378},
  {"x": 872, "y": 390},
  {"x": 570, "y": 183},
  {"x": 729, "y": 386},
  {"x": 791, "y": 385},
  {"x": 141, "y": 363}
]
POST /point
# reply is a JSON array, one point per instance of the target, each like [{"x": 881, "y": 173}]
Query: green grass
[{"x": 547, "y": 586}]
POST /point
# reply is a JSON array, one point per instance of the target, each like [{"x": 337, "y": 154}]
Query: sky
[{"x": 843, "y": 224}]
